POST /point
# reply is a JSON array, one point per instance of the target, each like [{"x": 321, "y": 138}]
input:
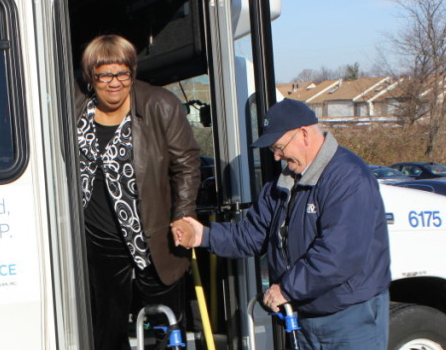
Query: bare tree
[
  {"x": 347, "y": 72},
  {"x": 422, "y": 45},
  {"x": 320, "y": 75},
  {"x": 305, "y": 75},
  {"x": 326, "y": 74}
]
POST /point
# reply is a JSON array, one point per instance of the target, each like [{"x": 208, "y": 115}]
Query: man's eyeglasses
[
  {"x": 108, "y": 77},
  {"x": 280, "y": 150}
]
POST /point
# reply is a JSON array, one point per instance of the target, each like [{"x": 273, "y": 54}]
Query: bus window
[
  {"x": 12, "y": 113},
  {"x": 6, "y": 146},
  {"x": 195, "y": 95}
]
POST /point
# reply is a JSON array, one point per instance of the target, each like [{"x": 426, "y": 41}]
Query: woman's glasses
[{"x": 108, "y": 77}]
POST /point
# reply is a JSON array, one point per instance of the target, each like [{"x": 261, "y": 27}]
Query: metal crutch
[{"x": 175, "y": 338}]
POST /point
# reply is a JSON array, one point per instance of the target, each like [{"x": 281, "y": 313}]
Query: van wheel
[{"x": 416, "y": 327}]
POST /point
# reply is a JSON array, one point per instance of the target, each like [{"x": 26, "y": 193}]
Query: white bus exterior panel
[{"x": 418, "y": 232}]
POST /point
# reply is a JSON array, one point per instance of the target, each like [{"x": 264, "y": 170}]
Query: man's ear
[{"x": 305, "y": 135}]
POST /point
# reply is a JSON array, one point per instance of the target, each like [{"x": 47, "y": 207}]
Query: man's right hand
[{"x": 187, "y": 232}]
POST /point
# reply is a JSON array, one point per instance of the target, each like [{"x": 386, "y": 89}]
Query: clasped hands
[{"x": 187, "y": 232}]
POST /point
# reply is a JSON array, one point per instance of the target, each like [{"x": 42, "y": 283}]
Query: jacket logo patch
[{"x": 311, "y": 208}]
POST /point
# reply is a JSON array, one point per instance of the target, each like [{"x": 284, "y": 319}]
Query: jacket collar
[
  {"x": 138, "y": 106},
  {"x": 133, "y": 107},
  {"x": 315, "y": 169},
  {"x": 317, "y": 166}
]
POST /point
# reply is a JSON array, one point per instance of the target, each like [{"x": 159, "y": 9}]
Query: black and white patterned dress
[{"x": 116, "y": 163}]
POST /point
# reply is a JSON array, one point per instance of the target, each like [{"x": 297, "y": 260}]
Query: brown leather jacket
[{"x": 166, "y": 161}]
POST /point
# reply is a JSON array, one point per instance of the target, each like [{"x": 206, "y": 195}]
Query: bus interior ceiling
[{"x": 168, "y": 34}]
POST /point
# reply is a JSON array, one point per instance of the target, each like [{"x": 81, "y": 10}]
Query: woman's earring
[{"x": 89, "y": 88}]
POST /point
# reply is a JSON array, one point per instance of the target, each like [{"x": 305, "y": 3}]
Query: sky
[{"x": 310, "y": 34}]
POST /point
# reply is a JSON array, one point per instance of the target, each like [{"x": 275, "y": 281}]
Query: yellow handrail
[{"x": 207, "y": 329}]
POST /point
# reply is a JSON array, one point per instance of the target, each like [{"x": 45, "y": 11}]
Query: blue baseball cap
[{"x": 285, "y": 115}]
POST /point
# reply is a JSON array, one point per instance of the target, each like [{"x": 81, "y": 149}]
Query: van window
[{"x": 13, "y": 138}]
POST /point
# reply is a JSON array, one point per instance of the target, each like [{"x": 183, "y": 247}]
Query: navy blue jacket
[{"x": 337, "y": 253}]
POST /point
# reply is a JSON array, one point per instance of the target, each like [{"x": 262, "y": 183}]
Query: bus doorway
[{"x": 189, "y": 48}]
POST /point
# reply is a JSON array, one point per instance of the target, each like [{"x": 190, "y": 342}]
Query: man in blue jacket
[{"x": 322, "y": 224}]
